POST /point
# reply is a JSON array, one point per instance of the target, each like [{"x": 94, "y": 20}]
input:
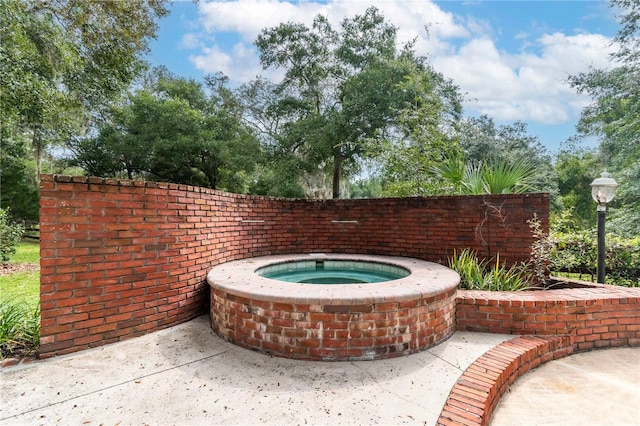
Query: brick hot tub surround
[{"x": 333, "y": 322}]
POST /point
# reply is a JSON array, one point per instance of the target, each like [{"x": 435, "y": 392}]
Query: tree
[
  {"x": 63, "y": 59},
  {"x": 342, "y": 89},
  {"x": 472, "y": 156},
  {"x": 264, "y": 110},
  {"x": 117, "y": 150},
  {"x": 614, "y": 116},
  {"x": 424, "y": 134},
  {"x": 366, "y": 188},
  {"x": 498, "y": 176},
  {"x": 172, "y": 130},
  {"x": 19, "y": 189},
  {"x": 575, "y": 168},
  {"x": 483, "y": 142}
]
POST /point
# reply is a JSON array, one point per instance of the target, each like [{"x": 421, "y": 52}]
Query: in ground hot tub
[
  {"x": 410, "y": 309},
  {"x": 332, "y": 271}
]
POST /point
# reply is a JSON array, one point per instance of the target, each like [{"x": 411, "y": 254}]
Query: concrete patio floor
[
  {"x": 600, "y": 387},
  {"x": 186, "y": 375}
]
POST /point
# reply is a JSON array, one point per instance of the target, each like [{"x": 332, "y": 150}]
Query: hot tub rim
[{"x": 426, "y": 280}]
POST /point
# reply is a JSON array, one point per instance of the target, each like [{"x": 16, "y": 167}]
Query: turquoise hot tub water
[{"x": 332, "y": 272}]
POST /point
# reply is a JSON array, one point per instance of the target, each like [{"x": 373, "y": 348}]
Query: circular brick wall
[
  {"x": 336, "y": 322},
  {"x": 121, "y": 258}
]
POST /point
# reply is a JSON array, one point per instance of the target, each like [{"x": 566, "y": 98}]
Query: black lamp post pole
[
  {"x": 603, "y": 189},
  {"x": 601, "y": 269}
]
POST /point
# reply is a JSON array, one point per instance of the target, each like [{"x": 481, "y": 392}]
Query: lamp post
[{"x": 603, "y": 189}]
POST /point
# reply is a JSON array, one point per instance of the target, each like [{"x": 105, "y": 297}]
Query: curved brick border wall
[
  {"x": 596, "y": 317},
  {"x": 123, "y": 258},
  {"x": 477, "y": 392},
  {"x": 558, "y": 322}
]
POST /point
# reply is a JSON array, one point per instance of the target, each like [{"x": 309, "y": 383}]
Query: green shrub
[
  {"x": 577, "y": 252},
  {"x": 466, "y": 264},
  {"x": 487, "y": 275},
  {"x": 622, "y": 258},
  {"x": 10, "y": 235},
  {"x": 19, "y": 328}
]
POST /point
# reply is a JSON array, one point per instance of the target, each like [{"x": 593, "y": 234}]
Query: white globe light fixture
[{"x": 603, "y": 189}]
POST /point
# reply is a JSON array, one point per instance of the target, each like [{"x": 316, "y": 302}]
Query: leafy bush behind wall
[{"x": 577, "y": 252}]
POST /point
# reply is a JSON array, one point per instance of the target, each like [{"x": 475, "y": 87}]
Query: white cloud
[
  {"x": 249, "y": 17},
  {"x": 241, "y": 62},
  {"x": 478, "y": 27},
  {"x": 528, "y": 85},
  {"x": 246, "y": 19},
  {"x": 191, "y": 41},
  {"x": 212, "y": 59},
  {"x": 525, "y": 86}
]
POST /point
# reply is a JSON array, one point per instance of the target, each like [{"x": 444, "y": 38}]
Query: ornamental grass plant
[
  {"x": 487, "y": 275},
  {"x": 19, "y": 328},
  {"x": 20, "y": 302}
]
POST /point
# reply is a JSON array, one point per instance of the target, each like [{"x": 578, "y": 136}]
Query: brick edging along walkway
[
  {"x": 553, "y": 324},
  {"x": 477, "y": 392},
  {"x": 595, "y": 317}
]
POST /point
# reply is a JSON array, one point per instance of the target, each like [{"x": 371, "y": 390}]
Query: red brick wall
[
  {"x": 602, "y": 316},
  {"x": 334, "y": 332},
  {"x": 122, "y": 258}
]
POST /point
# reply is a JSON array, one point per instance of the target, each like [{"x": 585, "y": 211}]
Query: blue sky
[{"x": 510, "y": 58}]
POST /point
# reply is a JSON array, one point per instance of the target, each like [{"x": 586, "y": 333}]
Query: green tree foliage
[
  {"x": 341, "y": 90},
  {"x": 366, "y": 188},
  {"x": 575, "y": 170},
  {"x": 614, "y": 117},
  {"x": 63, "y": 59},
  {"x": 423, "y": 133},
  {"x": 172, "y": 130},
  {"x": 277, "y": 177},
  {"x": 484, "y": 142},
  {"x": 18, "y": 186},
  {"x": 265, "y": 110},
  {"x": 474, "y": 156},
  {"x": 10, "y": 235},
  {"x": 498, "y": 176},
  {"x": 504, "y": 158}
]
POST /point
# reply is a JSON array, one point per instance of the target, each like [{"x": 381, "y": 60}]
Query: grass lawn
[
  {"x": 23, "y": 286},
  {"x": 28, "y": 251},
  {"x": 20, "y": 303},
  {"x": 592, "y": 278},
  {"x": 581, "y": 277}
]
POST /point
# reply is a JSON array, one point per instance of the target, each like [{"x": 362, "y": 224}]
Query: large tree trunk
[
  {"x": 337, "y": 174},
  {"x": 38, "y": 147}
]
